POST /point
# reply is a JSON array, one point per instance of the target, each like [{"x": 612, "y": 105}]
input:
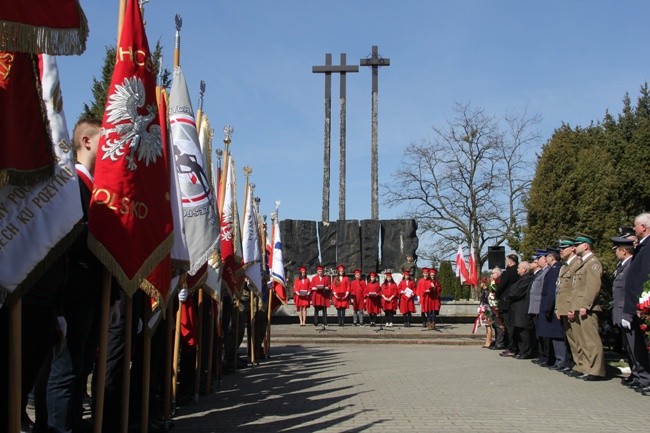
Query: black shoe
[
  {"x": 315, "y": 324},
  {"x": 535, "y": 361},
  {"x": 590, "y": 378},
  {"x": 645, "y": 391},
  {"x": 522, "y": 356},
  {"x": 553, "y": 367},
  {"x": 627, "y": 380},
  {"x": 499, "y": 347},
  {"x": 633, "y": 384},
  {"x": 573, "y": 373}
]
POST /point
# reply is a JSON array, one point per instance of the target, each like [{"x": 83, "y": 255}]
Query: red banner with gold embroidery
[
  {"x": 26, "y": 155},
  {"x": 130, "y": 223}
]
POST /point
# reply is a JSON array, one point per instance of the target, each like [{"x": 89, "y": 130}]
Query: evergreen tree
[
  {"x": 100, "y": 86},
  {"x": 591, "y": 180},
  {"x": 448, "y": 280}
]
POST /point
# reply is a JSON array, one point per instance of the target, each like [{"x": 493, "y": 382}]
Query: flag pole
[
  {"x": 212, "y": 322},
  {"x": 169, "y": 339},
  {"x": 199, "y": 347},
  {"x": 120, "y": 20},
  {"x": 169, "y": 343},
  {"x": 14, "y": 372},
  {"x": 199, "y": 112},
  {"x": 177, "y": 41},
  {"x": 98, "y": 416},
  {"x": 126, "y": 367},
  {"x": 128, "y": 322},
  {"x": 218, "y": 364},
  {"x": 146, "y": 368},
  {"x": 247, "y": 172},
  {"x": 177, "y": 343}
]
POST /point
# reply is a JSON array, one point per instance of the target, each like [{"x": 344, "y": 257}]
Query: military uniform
[
  {"x": 563, "y": 299},
  {"x": 586, "y": 288}
]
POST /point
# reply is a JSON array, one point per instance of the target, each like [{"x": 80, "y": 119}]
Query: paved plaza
[{"x": 409, "y": 388}]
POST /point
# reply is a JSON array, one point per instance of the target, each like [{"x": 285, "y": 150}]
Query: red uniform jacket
[
  {"x": 320, "y": 298},
  {"x": 358, "y": 294},
  {"x": 341, "y": 292},
  {"x": 373, "y": 303},
  {"x": 406, "y": 304},
  {"x": 388, "y": 290},
  {"x": 298, "y": 285},
  {"x": 428, "y": 292}
]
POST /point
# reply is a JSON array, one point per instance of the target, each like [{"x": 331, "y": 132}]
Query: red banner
[
  {"x": 56, "y": 27},
  {"x": 130, "y": 221},
  {"x": 26, "y": 155}
]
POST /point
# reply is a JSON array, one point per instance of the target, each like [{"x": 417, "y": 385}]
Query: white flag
[
  {"x": 252, "y": 251},
  {"x": 200, "y": 225},
  {"x": 38, "y": 222}
]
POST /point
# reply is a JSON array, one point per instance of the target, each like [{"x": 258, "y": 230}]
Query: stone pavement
[
  {"x": 445, "y": 333},
  {"x": 408, "y": 388}
]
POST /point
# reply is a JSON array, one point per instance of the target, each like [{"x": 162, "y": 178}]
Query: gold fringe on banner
[
  {"x": 130, "y": 286},
  {"x": 28, "y": 38},
  {"x": 12, "y": 176}
]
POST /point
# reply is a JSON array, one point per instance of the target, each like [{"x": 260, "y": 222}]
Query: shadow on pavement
[{"x": 290, "y": 392}]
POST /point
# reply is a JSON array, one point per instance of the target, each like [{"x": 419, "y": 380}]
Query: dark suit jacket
[
  {"x": 518, "y": 295},
  {"x": 548, "y": 325},
  {"x": 507, "y": 279},
  {"x": 637, "y": 275},
  {"x": 618, "y": 292}
]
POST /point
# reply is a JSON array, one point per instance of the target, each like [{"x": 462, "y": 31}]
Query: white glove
[
  {"x": 626, "y": 324},
  {"x": 114, "y": 314},
  {"x": 63, "y": 326},
  {"x": 183, "y": 294},
  {"x": 140, "y": 324}
]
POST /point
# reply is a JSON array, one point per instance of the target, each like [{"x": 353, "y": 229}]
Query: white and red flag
[
  {"x": 200, "y": 223},
  {"x": 278, "y": 280},
  {"x": 461, "y": 267},
  {"x": 252, "y": 250},
  {"x": 38, "y": 223},
  {"x": 130, "y": 222},
  {"x": 233, "y": 271},
  {"x": 473, "y": 272}
]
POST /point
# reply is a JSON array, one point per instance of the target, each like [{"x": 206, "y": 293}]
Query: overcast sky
[{"x": 567, "y": 61}]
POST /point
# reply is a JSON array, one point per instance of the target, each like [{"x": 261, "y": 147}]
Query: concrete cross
[
  {"x": 375, "y": 61},
  {"x": 328, "y": 69}
]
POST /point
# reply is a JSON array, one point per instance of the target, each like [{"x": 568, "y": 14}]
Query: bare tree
[{"x": 468, "y": 182}]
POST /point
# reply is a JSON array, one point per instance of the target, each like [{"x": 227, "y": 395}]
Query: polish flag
[
  {"x": 473, "y": 274},
  {"x": 461, "y": 268}
]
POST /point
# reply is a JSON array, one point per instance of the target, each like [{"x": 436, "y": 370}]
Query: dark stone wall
[
  {"x": 353, "y": 243},
  {"x": 398, "y": 239},
  {"x": 299, "y": 246},
  {"x": 369, "y": 246},
  {"x": 348, "y": 244},
  {"x": 327, "y": 236}
]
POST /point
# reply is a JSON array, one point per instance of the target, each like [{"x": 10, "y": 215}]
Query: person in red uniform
[
  {"x": 406, "y": 290},
  {"x": 436, "y": 291},
  {"x": 373, "y": 298},
  {"x": 426, "y": 297},
  {"x": 341, "y": 293},
  {"x": 389, "y": 298},
  {"x": 301, "y": 292},
  {"x": 320, "y": 294},
  {"x": 358, "y": 295}
]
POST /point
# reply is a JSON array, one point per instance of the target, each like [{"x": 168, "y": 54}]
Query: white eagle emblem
[
  {"x": 123, "y": 105},
  {"x": 227, "y": 227}
]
